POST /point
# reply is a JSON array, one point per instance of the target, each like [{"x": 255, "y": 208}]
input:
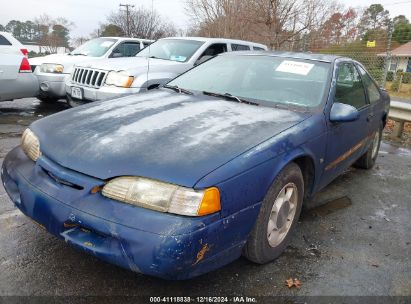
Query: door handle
[{"x": 369, "y": 117}]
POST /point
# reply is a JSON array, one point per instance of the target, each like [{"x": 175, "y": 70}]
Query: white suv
[
  {"x": 157, "y": 64},
  {"x": 10, "y": 45},
  {"x": 52, "y": 70}
]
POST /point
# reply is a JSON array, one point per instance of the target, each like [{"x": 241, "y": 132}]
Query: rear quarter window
[
  {"x": 4, "y": 41},
  {"x": 239, "y": 47}
]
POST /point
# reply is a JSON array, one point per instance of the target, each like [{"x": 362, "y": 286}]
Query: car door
[
  {"x": 126, "y": 49},
  {"x": 9, "y": 66},
  {"x": 377, "y": 106},
  {"x": 346, "y": 141}
]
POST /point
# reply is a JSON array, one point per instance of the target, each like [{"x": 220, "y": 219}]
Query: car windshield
[
  {"x": 171, "y": 49},
  {"x": 270, "y": 79},
  {"x": 94, "y": 48}
]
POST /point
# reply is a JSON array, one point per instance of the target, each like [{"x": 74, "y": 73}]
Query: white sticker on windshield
[
  {"x": 295, "y": 67},
  {"x": 178, "y": 58},
  {"x": 106, "y": 44}
]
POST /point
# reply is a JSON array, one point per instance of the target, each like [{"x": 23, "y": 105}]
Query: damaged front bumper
[{"x": 142, "y": 240}]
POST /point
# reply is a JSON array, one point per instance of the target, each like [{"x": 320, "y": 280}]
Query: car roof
[
  {"x": 128, "y": 38},
  {"x": 206, "y": 39},
  {"x": 295, "y": 55}
]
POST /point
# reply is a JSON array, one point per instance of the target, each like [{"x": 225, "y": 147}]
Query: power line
[{"x": 127, "y": 6}]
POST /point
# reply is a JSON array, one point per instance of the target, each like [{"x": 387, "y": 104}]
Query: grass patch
[{"x": 405, "y": 90}]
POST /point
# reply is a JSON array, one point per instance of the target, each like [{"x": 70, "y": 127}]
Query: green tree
[
  {"x": 15, "y": 27},
  {"x": 402, "y": 29},
  {"x": 374, "y": 19},
  {"x": 60, "y": 34},
  {"x": 400, "y": 19},
  {"x": 111, "y": 30}
]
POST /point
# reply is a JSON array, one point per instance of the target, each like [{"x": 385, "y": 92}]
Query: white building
[
  {"x": 33, "y": 47},
  {"x": 401, "y": 58}
]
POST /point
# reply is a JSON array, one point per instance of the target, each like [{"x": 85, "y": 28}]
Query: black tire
[
  {"x": 72, "y": 103},
  {"x": 258, "y": 249},
  {"x": 368, "y": 159},
  {"x": 47, "y": 99}
]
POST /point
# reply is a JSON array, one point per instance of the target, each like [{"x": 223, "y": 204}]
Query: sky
[{"x": 87, "y": 14}]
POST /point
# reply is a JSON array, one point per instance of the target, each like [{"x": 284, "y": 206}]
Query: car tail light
[
  {"x": 25, "y": 52},
  {"x": 25, "y": 66}
]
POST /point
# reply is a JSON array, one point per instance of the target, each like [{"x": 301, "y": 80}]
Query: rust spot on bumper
[{"x": 201, "y": 253}]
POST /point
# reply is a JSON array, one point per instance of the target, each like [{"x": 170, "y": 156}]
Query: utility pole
[
  {"x": 127, "y": 6},
  {"x": 387, "y": 61}
]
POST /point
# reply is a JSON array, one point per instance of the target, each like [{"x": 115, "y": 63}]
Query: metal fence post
[{"x": 387, "y": 61}]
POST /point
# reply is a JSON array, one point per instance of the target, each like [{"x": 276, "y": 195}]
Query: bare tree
[
  {"x": 143, "y": 23},
  {"x": 53, "y": 33},
  {"x": 277, "y": 23}
]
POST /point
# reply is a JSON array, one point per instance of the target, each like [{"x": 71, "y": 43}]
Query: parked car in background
[
  {"x": 16, "y": 77},
  {"x": 10, "y": 45},
  {"x": 162, "y": 61},
  {"x": 51, "y": 70},
  {"x": 184, "y": 179}
]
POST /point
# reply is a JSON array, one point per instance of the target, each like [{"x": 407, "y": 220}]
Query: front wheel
[
  {"x": 368, "y": 159},
  {"x": 278, "y": 216},
  {"x": 72, "y": 103},
  {"x": 47, "y": 99}
]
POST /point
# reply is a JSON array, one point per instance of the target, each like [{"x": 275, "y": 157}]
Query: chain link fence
[{"x": 375, "y": 55}]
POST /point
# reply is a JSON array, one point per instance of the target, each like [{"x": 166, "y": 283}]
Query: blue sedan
[{"x": 182, "y": 180}]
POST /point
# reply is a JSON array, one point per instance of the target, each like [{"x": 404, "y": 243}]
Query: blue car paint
[{"x": 161, "y": 244}]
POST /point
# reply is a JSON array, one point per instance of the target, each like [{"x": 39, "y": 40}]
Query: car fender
[
  {"x": 158, "y": 78},
  {"x": 245, "y": 180}
]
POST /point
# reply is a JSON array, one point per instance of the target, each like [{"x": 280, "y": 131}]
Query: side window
[
  {"x": 212, "y": 51},
  {"x": 372, "y": 90},
  {"x": 4, "y": 41},
  {"x": 239, "y": 47},
  {"x": 257, "y": 48},
  {"x": 126, "y": 49},
  {"x": 349, "y": 87}
]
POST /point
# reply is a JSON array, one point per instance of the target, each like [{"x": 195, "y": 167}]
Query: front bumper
[
  {"x": 102, "y": 93},
  {"x": 52, "y": 85},
  {"x": 142, "y": 240}
]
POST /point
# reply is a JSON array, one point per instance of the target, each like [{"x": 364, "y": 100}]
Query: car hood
[
  {"x": 128, "y": 63},
  {"x": 161, "y": 135},
  {"x": 66, "y": 60}
]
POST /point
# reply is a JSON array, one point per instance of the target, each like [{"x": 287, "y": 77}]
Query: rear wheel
[
  {"x": 278, "y": 216},
  {"x": 367, "y": 161}
]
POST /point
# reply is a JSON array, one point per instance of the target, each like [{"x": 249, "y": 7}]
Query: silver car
[
  {"x": 52, "y": 70},
  {"x": 16, "y": 77},
  {"x": 162, "y": 61}
]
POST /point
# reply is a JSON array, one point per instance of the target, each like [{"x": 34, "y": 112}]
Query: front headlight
[
  {"x": 163, "y": 197},
  {"x": 119, "y": 79},
  {"x": 31, "y": 145},
  {"x": 51, "y": 68}
]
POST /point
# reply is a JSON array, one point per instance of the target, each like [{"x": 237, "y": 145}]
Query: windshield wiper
[
  {"x": 231, "y": 97},
  {"x": 178, "y": 89}
]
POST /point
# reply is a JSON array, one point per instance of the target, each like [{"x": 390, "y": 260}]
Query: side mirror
[{"x": 341, "y": 112}]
